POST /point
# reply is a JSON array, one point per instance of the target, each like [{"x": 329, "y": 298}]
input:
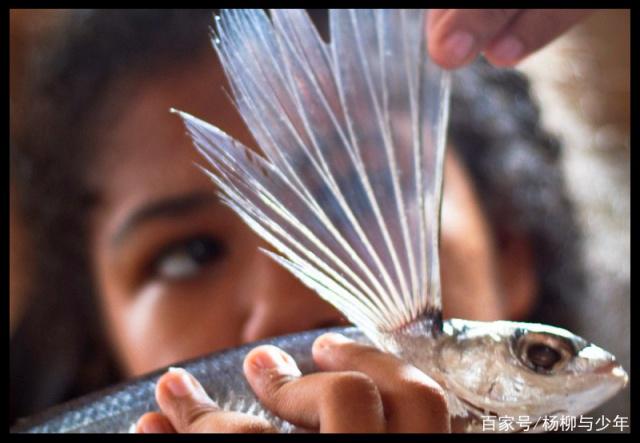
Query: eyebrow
[{"x": 172, "y": 207}]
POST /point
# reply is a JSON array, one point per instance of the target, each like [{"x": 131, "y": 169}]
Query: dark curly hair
[{"x": 494, "y": 127}]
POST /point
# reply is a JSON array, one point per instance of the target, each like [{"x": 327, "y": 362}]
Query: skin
[
  {"x": 156, "y": 318},
  {"x": 505, "y": 36}
]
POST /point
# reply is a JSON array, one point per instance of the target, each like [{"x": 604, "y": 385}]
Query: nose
[{"x": 280, "y": 304}]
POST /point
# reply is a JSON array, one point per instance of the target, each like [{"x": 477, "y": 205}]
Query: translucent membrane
[{"x": 353, "y": 135}]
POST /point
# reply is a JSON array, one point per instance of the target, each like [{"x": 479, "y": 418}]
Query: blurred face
[{"x": 180, "y": 275}]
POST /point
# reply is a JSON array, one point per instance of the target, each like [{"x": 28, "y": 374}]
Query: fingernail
[
  {"x": 151, "y": 427},
  {"x": 270, "y": 358},
  {"x": 508, "y": 49},
  {"x": 180, "y": 384},
  {"x": 331, "y": 339},
  {"x": 458, "y": 46}
]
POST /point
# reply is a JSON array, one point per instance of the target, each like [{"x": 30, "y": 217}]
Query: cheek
[
  {"x": 467, "y": 259},
  {"x": 469, "y": 289},
  {"x": 161, "y": 322}
]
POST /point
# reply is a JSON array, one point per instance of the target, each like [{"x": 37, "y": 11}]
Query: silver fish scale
[{"x": 117, "y": 409}]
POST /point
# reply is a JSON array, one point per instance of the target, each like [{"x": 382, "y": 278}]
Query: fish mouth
[
  {"x": 613, "y": 369},
  {"x": 620, "y": 373},
  {"x": 609, "y": 366}
]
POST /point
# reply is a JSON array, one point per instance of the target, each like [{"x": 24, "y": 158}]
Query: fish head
[{"x": 512, "y": 368}]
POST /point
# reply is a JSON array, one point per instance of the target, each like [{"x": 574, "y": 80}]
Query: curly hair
[{"x": 494, "y": 126}]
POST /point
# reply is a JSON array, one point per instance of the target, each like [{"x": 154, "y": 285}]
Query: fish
[
  {"x": 116, "y": 409},
  {"x": 347, "y": 188}
]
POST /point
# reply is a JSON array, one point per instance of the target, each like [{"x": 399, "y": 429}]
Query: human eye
[{"x": 186, "y": 258}]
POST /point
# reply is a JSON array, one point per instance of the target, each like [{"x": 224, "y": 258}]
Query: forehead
[
  {"x": 144, "y": 153},
  {"x": 143, "y": 142},
  {"x": 144, "y": 147}
]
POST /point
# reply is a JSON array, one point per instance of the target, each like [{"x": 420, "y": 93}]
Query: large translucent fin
[{"x": 353, "y": 133}]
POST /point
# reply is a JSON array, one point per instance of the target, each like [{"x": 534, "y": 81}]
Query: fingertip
[
  {"x": 162, "y": 389},
  {"x": 252, "y": 364},
  {"x": 448, "y": 46},
  {"x": 154, "y": 423},
  {"x": 178, "y": 384},
  {"x": 329, "y": 340},
  {"x": 269, "y": 357},
  {"x": 505, "y": 52},
  {"x": 170, "y": 385},
  {"x": 258, "y": 359},
  {"x": 182, "y": 399},
  {"x": 454, "y": 53}
]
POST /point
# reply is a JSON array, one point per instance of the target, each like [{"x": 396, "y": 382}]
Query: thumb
[
  {"x": 183, "y": 400},
  {"x": 186, "y": 404}
]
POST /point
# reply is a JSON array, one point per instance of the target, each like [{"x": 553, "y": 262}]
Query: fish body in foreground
[
  {"x": 117, "y": 409},
  {"x": 487, "y": 369}
]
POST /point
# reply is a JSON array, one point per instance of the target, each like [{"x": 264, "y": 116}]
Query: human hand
[
  {"x": 360, "y": 389},
  {"x": 506, "y": 36}
]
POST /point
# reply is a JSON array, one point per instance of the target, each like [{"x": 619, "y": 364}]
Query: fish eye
[
  {"x": 543, "y": 353},
  {"x": 543, "y": 356}
]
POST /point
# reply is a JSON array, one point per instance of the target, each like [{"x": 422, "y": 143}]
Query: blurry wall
[{"x": 582, "y": 81}]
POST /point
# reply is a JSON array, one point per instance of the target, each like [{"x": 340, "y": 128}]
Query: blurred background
[{"x": 582, "y": 82}]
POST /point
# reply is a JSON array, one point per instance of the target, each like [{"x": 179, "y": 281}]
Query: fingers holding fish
[
  {"x": 413, "y": 401},
  {"x": 360, "y": 389},
  {"x": 188, "y": 409},
  {"x": 325, "y": 401}
]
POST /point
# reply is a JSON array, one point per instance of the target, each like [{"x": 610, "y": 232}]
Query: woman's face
[{"x": 180, "y": 275}]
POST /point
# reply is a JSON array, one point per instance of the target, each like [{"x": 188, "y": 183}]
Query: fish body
[
  {"x": 117, "y": 408},
  {"x": 348, "y": 192},
  {"x": 447, "y": 358}
]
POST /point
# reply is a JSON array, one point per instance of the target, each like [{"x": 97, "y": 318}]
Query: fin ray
[{"x": 349, "y": 189}]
